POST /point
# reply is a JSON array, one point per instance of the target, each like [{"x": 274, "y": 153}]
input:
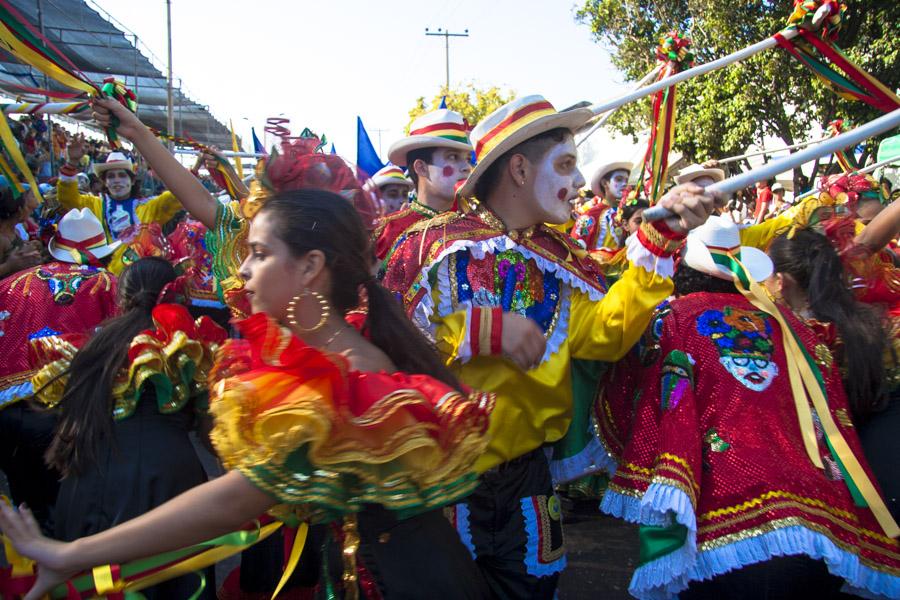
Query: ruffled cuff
[
  {"x": 652, "y": 247},
  {"x": 68, "y": 173},
  {"x": 484, "y": 332}
]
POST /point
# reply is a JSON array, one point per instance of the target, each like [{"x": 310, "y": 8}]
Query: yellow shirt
[{"x": 578, "y": 320}]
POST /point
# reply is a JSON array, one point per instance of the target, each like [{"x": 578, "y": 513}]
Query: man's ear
[
  {"x": 421, "y": 168},
  {"x": 519, "y": 168}
]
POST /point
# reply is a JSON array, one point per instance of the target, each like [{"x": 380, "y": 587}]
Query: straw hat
[
  {"x": 512, "y": 124},
  {"x": 391, "y": 175},
  {"x": 80, "y": 237},
  {"x": 692, "y": 172},
  {"x": 441, "y": 128},
  {"x": 608, "y": 168},
  {"x": 115, "y": 160},
  {"x": 709, "y": 246}
]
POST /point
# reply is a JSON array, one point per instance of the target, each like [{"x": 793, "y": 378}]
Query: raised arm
[
  {"x": 202, "y": 513},
  {"x": 179, "y": 180},
  {"x": 881, "y": 230}
]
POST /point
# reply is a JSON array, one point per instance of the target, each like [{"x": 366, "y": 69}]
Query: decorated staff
[
  {"x": 813, "y": 21},
  {"x": 738, "y": 182},
  {"x": 602, "y": 121},
  {"x": 45, "y": 108},
  {"x": 30, "y": 46}
]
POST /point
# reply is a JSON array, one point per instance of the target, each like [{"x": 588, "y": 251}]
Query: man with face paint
[
  {"x": 393, "y": 187},
  {"x": 596, "y": 226},
  {"x": 436, "y": 155},
  {"x": 510, "y": 301},
  {"x": 119, "y": 206}
]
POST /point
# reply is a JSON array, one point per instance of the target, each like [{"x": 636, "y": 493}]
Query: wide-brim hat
[
  {"x": 391, "y": 175},
  {"x": 115, "y": 160},
  {"x": 692, "y": 172},
  {"x": 442, "y": 128},
  {"x": 620, "y": 165},
  {"x": 512, "y": 124},
  {"x": 78, "y": 233},
  {"x": 712, "y": 246}
]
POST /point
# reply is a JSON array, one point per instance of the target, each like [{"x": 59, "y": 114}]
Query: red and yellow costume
[
  {"x": 324, "y": 439},
  {"x": 596, "y": 228},
  {"x": 389, "y": 232},
  {"x": 711, "y": 461},
  {"x": 52, "y": 299}
]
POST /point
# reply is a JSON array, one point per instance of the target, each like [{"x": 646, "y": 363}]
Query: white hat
[
  {"x": 79, "y": 237},
  {"x": 512, "y": 124},
  {"x": 115, "y": 160},
  {"x": 710, "y": 246},
  {"x": 441, "y": 128},
  {"x": 692, "y": 172},
  {"x": 608, "y": 168},
  {"x": 391, "y": 175},
  {"x": 777, "y": 188}
]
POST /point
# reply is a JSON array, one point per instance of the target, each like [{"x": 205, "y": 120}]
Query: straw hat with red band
[
  {"x": 391, "y": 175},
  {"x": 514, "y": 123},
  {"x": 438, "y": 129},
  {"x": 80, "y": 238},
  {"x": 115, "y": 160},
  {"x": 608, "y": 168}
]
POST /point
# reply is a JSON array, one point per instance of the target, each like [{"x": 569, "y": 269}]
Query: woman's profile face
[{"x": 270, "y": 272}]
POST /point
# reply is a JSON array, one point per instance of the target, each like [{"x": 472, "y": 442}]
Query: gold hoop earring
[{"x": 324, "y": 308}]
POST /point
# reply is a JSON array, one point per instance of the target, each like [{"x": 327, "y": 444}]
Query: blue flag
[
  {"x": 257, "y": 145},
  {"x": 366, "y": 157},
  {"x": 333, "y": 151},
  {"x": 443, "y": 102}
]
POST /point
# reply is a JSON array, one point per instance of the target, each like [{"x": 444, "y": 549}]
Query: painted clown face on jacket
[{"x": 743, "y": 340}]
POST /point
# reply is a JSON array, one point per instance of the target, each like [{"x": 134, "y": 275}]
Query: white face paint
[
  {"x": 118, "y": 184},
  {"x": 448, "y": 167},
  {"x": 618, "y": 181},
  {"x": 704, "y": 181},
  {"x": 557, "y": 182},
  {"x": 393, "y": 195}
]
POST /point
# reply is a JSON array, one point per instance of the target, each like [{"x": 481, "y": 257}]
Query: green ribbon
[{"x": 657, "y": 541}]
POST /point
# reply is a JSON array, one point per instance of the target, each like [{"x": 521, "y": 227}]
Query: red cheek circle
[
  {"x": 448, "y": 171},
  {"x": 562, "y": 194}
]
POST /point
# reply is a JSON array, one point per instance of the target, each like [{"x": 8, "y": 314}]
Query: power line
[{"x": 446, "y": 35}]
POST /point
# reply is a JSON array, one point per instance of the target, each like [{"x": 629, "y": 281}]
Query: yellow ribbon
[
  {"x": 104, "y": 582},
  {"x": 6, "y": 136},
  {"x": 296, "y": 551},
  {"x": 10, "y": 42},
  {"x": 798, "y": 366}
]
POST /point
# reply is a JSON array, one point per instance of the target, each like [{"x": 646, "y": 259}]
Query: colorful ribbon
[
  {"x": 223, "y": 176},
  {"x": 843, "y": 157},
  {"x": 12, "y": 149},
  {"x": 114, "y": 89},
  {"x": 45, "y": 108},
  {"x": 675, "y": 50}
]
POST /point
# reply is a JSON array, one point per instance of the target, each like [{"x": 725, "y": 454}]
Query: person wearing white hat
[
  {"x": 510, "y": 302},
  {"x": 735, "y": 450},
  {"x": 596, "y": 227},
  {"x": 119, "y": 206},
  {"x": 393, "y": 187},
  {"x": 701, "y": 175},
  {"x": 436, "y": 156}
]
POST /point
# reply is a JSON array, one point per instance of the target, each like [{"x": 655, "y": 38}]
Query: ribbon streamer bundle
[
  {"x": 223, "y": 176},
  {"x": 843, "y": 156},
  {"x": 817, "y": 52},
  {"x": 27, "y": 44},
  {"x": 674, "y": 51}
]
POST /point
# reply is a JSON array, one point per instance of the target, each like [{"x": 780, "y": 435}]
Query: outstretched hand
[
  {"x": 104, "y": 109},
  {"x": 691, "y": 205},
  {"x": 23, "y": 531}
]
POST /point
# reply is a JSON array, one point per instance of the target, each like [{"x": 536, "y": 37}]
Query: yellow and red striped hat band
[{"x": 512, "y": 123}]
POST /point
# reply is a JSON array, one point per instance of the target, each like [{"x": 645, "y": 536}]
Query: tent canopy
[{"x": 100, "y": 50}]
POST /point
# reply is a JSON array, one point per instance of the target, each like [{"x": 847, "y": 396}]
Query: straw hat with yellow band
[
  {"x": 80, "y": 239},
  {"x": 391, "y": 175},
  {"x": 514, "y": 123},
  {"x": 714, "y": 248},
  {"x": 438, "y": 129}
]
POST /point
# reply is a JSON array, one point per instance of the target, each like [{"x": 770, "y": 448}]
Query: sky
[{"x": 323, "y": 62}]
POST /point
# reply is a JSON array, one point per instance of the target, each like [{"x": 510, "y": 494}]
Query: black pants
[
  {"x": 780, "y": 578},
  {"x": 512, "y": 525}
]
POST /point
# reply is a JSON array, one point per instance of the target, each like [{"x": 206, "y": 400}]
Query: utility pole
[
  {"x": 40, "y": 16},
  {"x": 170, "y": 104},
  {"x": 379, "y": 139},
  {"x": 447, "y": 35}
]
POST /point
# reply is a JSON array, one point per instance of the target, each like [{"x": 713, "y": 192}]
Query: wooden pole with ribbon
[{"x": 45, "y": 108}]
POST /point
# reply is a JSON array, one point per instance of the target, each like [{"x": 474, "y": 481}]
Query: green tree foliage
[
  {"x": 471, "y": 102},
  {"x": 722, "y": 112}
]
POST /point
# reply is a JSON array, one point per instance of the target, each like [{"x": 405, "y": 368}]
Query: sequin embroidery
[{"x": 743, "y": 341}]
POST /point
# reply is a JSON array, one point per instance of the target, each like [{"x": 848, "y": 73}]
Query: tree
[
  {"x": 721, "y": 113},
  {"x": 471, "y": 102}
]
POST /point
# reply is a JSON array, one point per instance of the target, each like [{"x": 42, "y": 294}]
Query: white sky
[{"x": 323, "y": 62}]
